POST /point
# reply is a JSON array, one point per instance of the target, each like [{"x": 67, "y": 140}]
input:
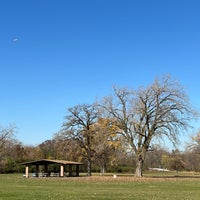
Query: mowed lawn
[{"x": 100, "y": 187}]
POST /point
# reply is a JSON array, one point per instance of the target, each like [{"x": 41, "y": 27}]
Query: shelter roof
[{"x": 49, "y": 161}]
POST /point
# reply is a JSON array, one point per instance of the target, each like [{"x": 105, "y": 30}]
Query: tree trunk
[
  {"x": 89, "y": 166},
  {"x": 139, "y": 164}
]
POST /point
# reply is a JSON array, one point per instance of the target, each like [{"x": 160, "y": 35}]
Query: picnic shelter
[{"x": 46, "y": 173}]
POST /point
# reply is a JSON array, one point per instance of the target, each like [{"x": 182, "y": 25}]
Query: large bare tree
[
  {"x": 78, "y": 126},
  {"x": 161, "y": 109}
]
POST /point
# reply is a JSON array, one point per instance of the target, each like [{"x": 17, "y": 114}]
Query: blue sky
[{"x": 55, "y": 54}]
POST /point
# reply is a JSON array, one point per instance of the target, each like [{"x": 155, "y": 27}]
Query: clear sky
[{"x": 55, "y": 54}]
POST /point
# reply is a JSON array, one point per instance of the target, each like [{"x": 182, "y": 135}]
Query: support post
[
  {"x": 37, "y": 170},
  {"x": 77, "y": 170},
  {"x": 46, "y": 171},
  {"x": 62, "y": 171},
  {"x": 70, "y": 170},
  {"x": 26, "y": 171}
]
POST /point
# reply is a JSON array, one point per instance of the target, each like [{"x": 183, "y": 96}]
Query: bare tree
[
  {"x": 193, "y": 152},
  {"x": 6, "y": 134},
  {"x": 161, "y": 109},
  {"x": 194, "y": 144},
  {"x": 78, "y": 126}
]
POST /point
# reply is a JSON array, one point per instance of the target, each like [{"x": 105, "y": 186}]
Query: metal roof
[{"x": 49, "y": 161}]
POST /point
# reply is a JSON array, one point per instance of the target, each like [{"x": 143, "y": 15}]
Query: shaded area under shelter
[{"x": 47, "y": 173}]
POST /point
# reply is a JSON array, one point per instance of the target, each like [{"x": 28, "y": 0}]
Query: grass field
[{"x": 152, "y": 186}]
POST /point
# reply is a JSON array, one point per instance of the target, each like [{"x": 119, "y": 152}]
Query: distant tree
[
  {"x": 32, "y": 153},
  {"x": 166, "y": 161},
  {"x": 161, "y": 109},
  {"x": 11, "y": 155},
  {"x": 192, "y": 153},
  {"x": 6, "y": 134},
  {"x": 192, "y": 160},
  {"x": 194, "y": 144},
  {"x": 154, "y": 156},
  {"x": 177, "y": 160},
  {"x": 78, "y": 127},
  {"x": 47, "y": 149},
  {"x": 67, "y": 149}
]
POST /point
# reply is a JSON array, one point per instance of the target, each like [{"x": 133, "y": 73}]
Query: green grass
[{"x": 101, "y": 187}]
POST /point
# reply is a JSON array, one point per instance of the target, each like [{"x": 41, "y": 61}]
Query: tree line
[
  {"x": 15, "y": 153},
  {"x": 122, "y": 129}
]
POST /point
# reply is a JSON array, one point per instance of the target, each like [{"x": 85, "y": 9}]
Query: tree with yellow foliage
[{"x": 106, "y": 143}]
